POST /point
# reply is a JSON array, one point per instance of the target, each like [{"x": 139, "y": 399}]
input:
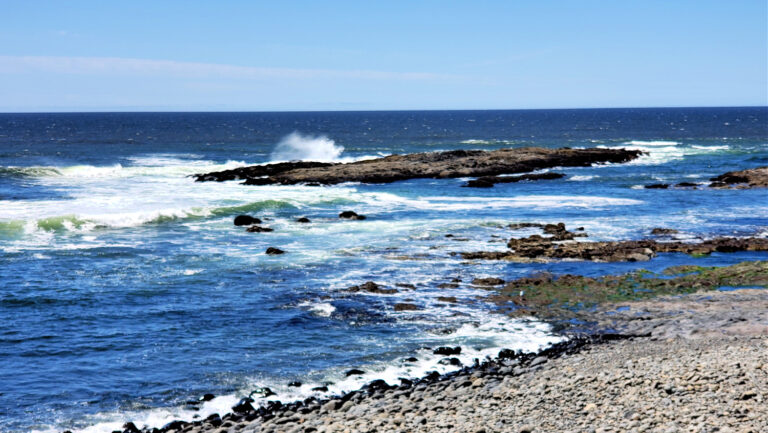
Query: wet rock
[
  {"x": 258, "y": 229},
  {"x": 244, "y": 406},
  {"x": 448, "y": 285},
  {"x": 246, "y": 220},
  {"x": 450, "y": 361},
  {"x": 214, "y": 420},
  {"x": 411, "y": 359},
  {"x": 446, "y": 351},
  {"x": 207, "y": 397},
  {"x": 272, "y": 251},
  {"x": 489, "y": 181},
  {"x": 320, "y": 388},
  {"x": 751, "y": 178},
  {"x": 295, "y": 383},
  {"x": 406, "y": 286},
  {"x": 303, "y": 220},
  {"x": 686, "y": 185},
  {"x": 487, "y": 282},
  {"x": 354, "y": 372},
  {"x": 449, "y": 299},
  {"x": 449, "y": 164},
  {"x": 130, "y": 427},
  {"x": 256, "y": 173},
  {"x": 660, "y": 231},
  {"x": 657, "y": 186},
  {"x": 541, "y": 249},
  {"x": 350, "y": 215},
  {"x": 518, "y": 226},
  {"x": 371, "y": 287},
  {"x": 174, "y": 425},
  {"x": 406, "y": 307}
]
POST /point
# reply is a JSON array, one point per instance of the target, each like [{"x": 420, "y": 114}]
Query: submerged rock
[
  {"x": 354, "y": 372},
  {"x": 660, "y": 231},
  {"x": 303, "y": 220},
  {"x": 274, "y": 251},
  {"x": 440, "y": 165},
  {"x": 489, "y": 181},
  {"x": 657, "y": 186},
  {"x": 246, "y": 220},
  {"x": 406, "y": 307}
]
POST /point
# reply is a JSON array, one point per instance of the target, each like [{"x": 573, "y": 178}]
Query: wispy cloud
[{"x": 149, "y": 67}]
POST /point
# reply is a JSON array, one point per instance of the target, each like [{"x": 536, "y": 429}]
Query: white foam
[
  {"x": 582, "y": 178},
  {"x": 298, "y": 147},
  {"x": 651, "y": 143}
]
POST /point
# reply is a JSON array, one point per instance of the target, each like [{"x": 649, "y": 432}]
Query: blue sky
[{"x": 380, "y": 55}]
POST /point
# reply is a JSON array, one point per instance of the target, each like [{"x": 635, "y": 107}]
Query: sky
[{"x": 380, "y": 55}]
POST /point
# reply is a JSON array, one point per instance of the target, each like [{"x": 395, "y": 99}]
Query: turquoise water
[{"x": 125, "y": 290}]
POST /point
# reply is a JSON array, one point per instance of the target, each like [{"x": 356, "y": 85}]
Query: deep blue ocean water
[{"x": 125, "y": 290}]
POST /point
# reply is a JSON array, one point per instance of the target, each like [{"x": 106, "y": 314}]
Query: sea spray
[{"x": 298, "y": 147}]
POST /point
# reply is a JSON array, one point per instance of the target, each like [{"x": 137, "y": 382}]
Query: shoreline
[{"x": 723, "y": 323}]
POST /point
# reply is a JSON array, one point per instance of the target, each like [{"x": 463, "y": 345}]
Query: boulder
[
  {"x": 350, "y": 215},
  {"x": 258, "y": 229},
  {"x": 246, "y": 220},
  {"x": 272, "y": 251}
]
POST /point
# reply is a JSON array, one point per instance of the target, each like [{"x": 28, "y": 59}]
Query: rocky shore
[
  {"x": 449, "y": 164},
  {"x": 695, "y": 363}
]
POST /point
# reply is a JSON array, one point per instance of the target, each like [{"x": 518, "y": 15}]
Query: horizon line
[{"x": 129, "y": 111}]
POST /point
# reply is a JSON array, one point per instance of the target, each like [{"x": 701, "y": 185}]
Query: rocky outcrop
[
  {"x": 557, "y": 243},
  {"x": 752, "y": 178},
  {"x": 449, "y": 164},
  {"x": 255, "y": 172},
  {"x": 371, "y": 287}
]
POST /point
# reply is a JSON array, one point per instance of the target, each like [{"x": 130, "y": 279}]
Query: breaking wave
[{"x": 298, "y": 147}]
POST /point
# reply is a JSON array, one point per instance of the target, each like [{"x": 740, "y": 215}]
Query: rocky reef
[{"x": 449, "y": 164}]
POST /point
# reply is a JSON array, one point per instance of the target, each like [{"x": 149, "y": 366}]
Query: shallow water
[{"x": 125, "y": 290}]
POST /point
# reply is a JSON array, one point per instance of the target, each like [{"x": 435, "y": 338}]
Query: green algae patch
[{"x": 545, "y": 294}]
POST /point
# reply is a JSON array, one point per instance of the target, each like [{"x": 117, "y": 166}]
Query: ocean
[{"x": 127, "y": 292}]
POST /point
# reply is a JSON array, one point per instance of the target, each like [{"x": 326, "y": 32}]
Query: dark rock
[
  {"x": 303, "y": 220},
  {"x": 447, "y": 286},
  {"x": 174, "y": 425},
  {"x": 350, "y": 215},
  {"x": 406, "y": 307},
  {"x": 274, "y": 251},
  {"x": 411, "y": 359},
  {"x": 295, "y": 383},
  {"x": 371, "y": 287},
  {"x": 214, "y": 420},
  {"x": 354, "y": 372},
  {"x": 449, "y": 299},
  {"x": 450, "y": 361},
  {"x": 487, "y": 282},
  {"x": 320, "y": 388},
  {"x": 489, "y": 181},
  {"x": 406, "y": 286},
  {"x": 405, "y": 382},
  {"x": 657, "y": 186},
  {"x": 244, "y": 406},
  {"x": 246, "y": 220},
  {"x": 378, "y": 385},
  {"x": 446, "y": 351},
  {"x": 436, "y": 165},
  {"x": 258, "y": 229},
  {"x": 207, "y": 397},
  {"x": 130, "y": 427},
  {"x": 686, "y": 185},
  {"x": 517, "y": 226}
]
